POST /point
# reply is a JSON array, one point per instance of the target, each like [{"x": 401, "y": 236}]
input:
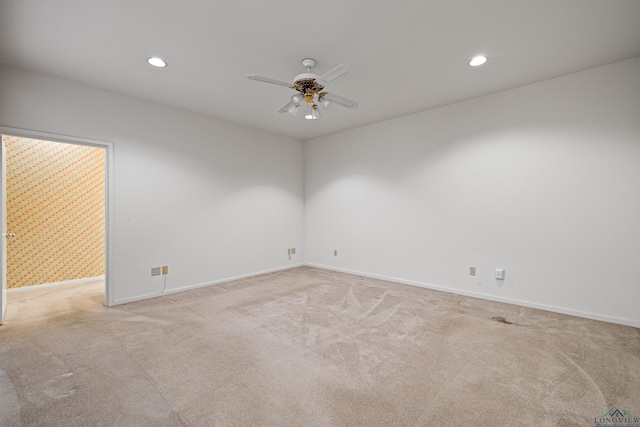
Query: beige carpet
[{"x": 307, "y": 347}]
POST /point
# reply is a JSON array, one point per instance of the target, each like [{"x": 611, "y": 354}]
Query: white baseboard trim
[
  {"x": 201, "y": 285},
  {"x": 554, "y": 309},
  {"x": 54, "y": 284}
]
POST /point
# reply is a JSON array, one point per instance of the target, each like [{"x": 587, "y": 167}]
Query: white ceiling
[{"x": 406, "y": 55}]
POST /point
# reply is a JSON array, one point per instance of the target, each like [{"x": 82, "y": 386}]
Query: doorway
[{"x": 64, "y": 170}]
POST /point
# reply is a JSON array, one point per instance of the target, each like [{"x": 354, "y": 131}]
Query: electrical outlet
[
  {"x": 293, "y": 251},
  {"x": 155, "y": 271},
  {"x": 165, "y": 269},
  {"x": 472, "y": 271},
  {"x": 500, "y": 273},
  {"x": 289, "y": 251},
  {"x": 335, "y": 252}
]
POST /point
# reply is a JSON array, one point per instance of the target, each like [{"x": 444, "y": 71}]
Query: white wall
[
  {"x": 542, "y": 180},
  {"x": 210, "y": 199}
]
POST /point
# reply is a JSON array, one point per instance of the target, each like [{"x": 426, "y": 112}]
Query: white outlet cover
[{"x": 500, "y": 273}]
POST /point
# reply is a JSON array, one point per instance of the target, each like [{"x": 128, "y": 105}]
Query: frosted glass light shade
[{"x": 292, "y": 109}]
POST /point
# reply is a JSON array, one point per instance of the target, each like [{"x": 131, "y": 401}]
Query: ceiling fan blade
[
  {"x": 269, "y": 80},
  {"x": 345, "y": 102},
  {"x": 333, "y": 74}
]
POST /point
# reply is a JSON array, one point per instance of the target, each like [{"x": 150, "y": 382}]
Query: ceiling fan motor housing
[{"x": 306, "y": 84}]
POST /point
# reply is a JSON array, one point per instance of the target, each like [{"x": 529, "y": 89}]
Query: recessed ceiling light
[
  {"x": 157, "y": 62},
  {"x": 478, "y": 60}
]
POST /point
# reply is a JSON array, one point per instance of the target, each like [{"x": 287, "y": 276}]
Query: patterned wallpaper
[{"x": 55, "y": 206}]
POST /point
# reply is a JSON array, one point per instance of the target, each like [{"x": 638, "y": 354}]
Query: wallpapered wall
[{"x": 55, "y": 206}]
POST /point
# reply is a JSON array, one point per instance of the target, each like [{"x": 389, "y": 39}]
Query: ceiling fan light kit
[
  {"x": 314, "y": 114},
  {"x": 310, "y": 88}
]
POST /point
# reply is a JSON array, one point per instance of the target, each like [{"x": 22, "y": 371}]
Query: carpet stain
[{"x": 501, "y": 320}]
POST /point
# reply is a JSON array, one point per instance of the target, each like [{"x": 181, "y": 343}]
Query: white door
[{"x": 3, "y": 231}]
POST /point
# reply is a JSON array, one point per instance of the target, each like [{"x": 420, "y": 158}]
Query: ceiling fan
[{"x": 310, "y": 89}]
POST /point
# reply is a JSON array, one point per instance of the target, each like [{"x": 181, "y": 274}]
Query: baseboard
[
  {"x": 52, "y": 285},
  {"x": 554, "y": 309},
  {"x": 202, "y": 285}
]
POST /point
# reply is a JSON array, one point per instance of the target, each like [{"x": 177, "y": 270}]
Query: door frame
[
  {"x": 108, "y": 192},
  {"x": 3, "y": 230}
]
